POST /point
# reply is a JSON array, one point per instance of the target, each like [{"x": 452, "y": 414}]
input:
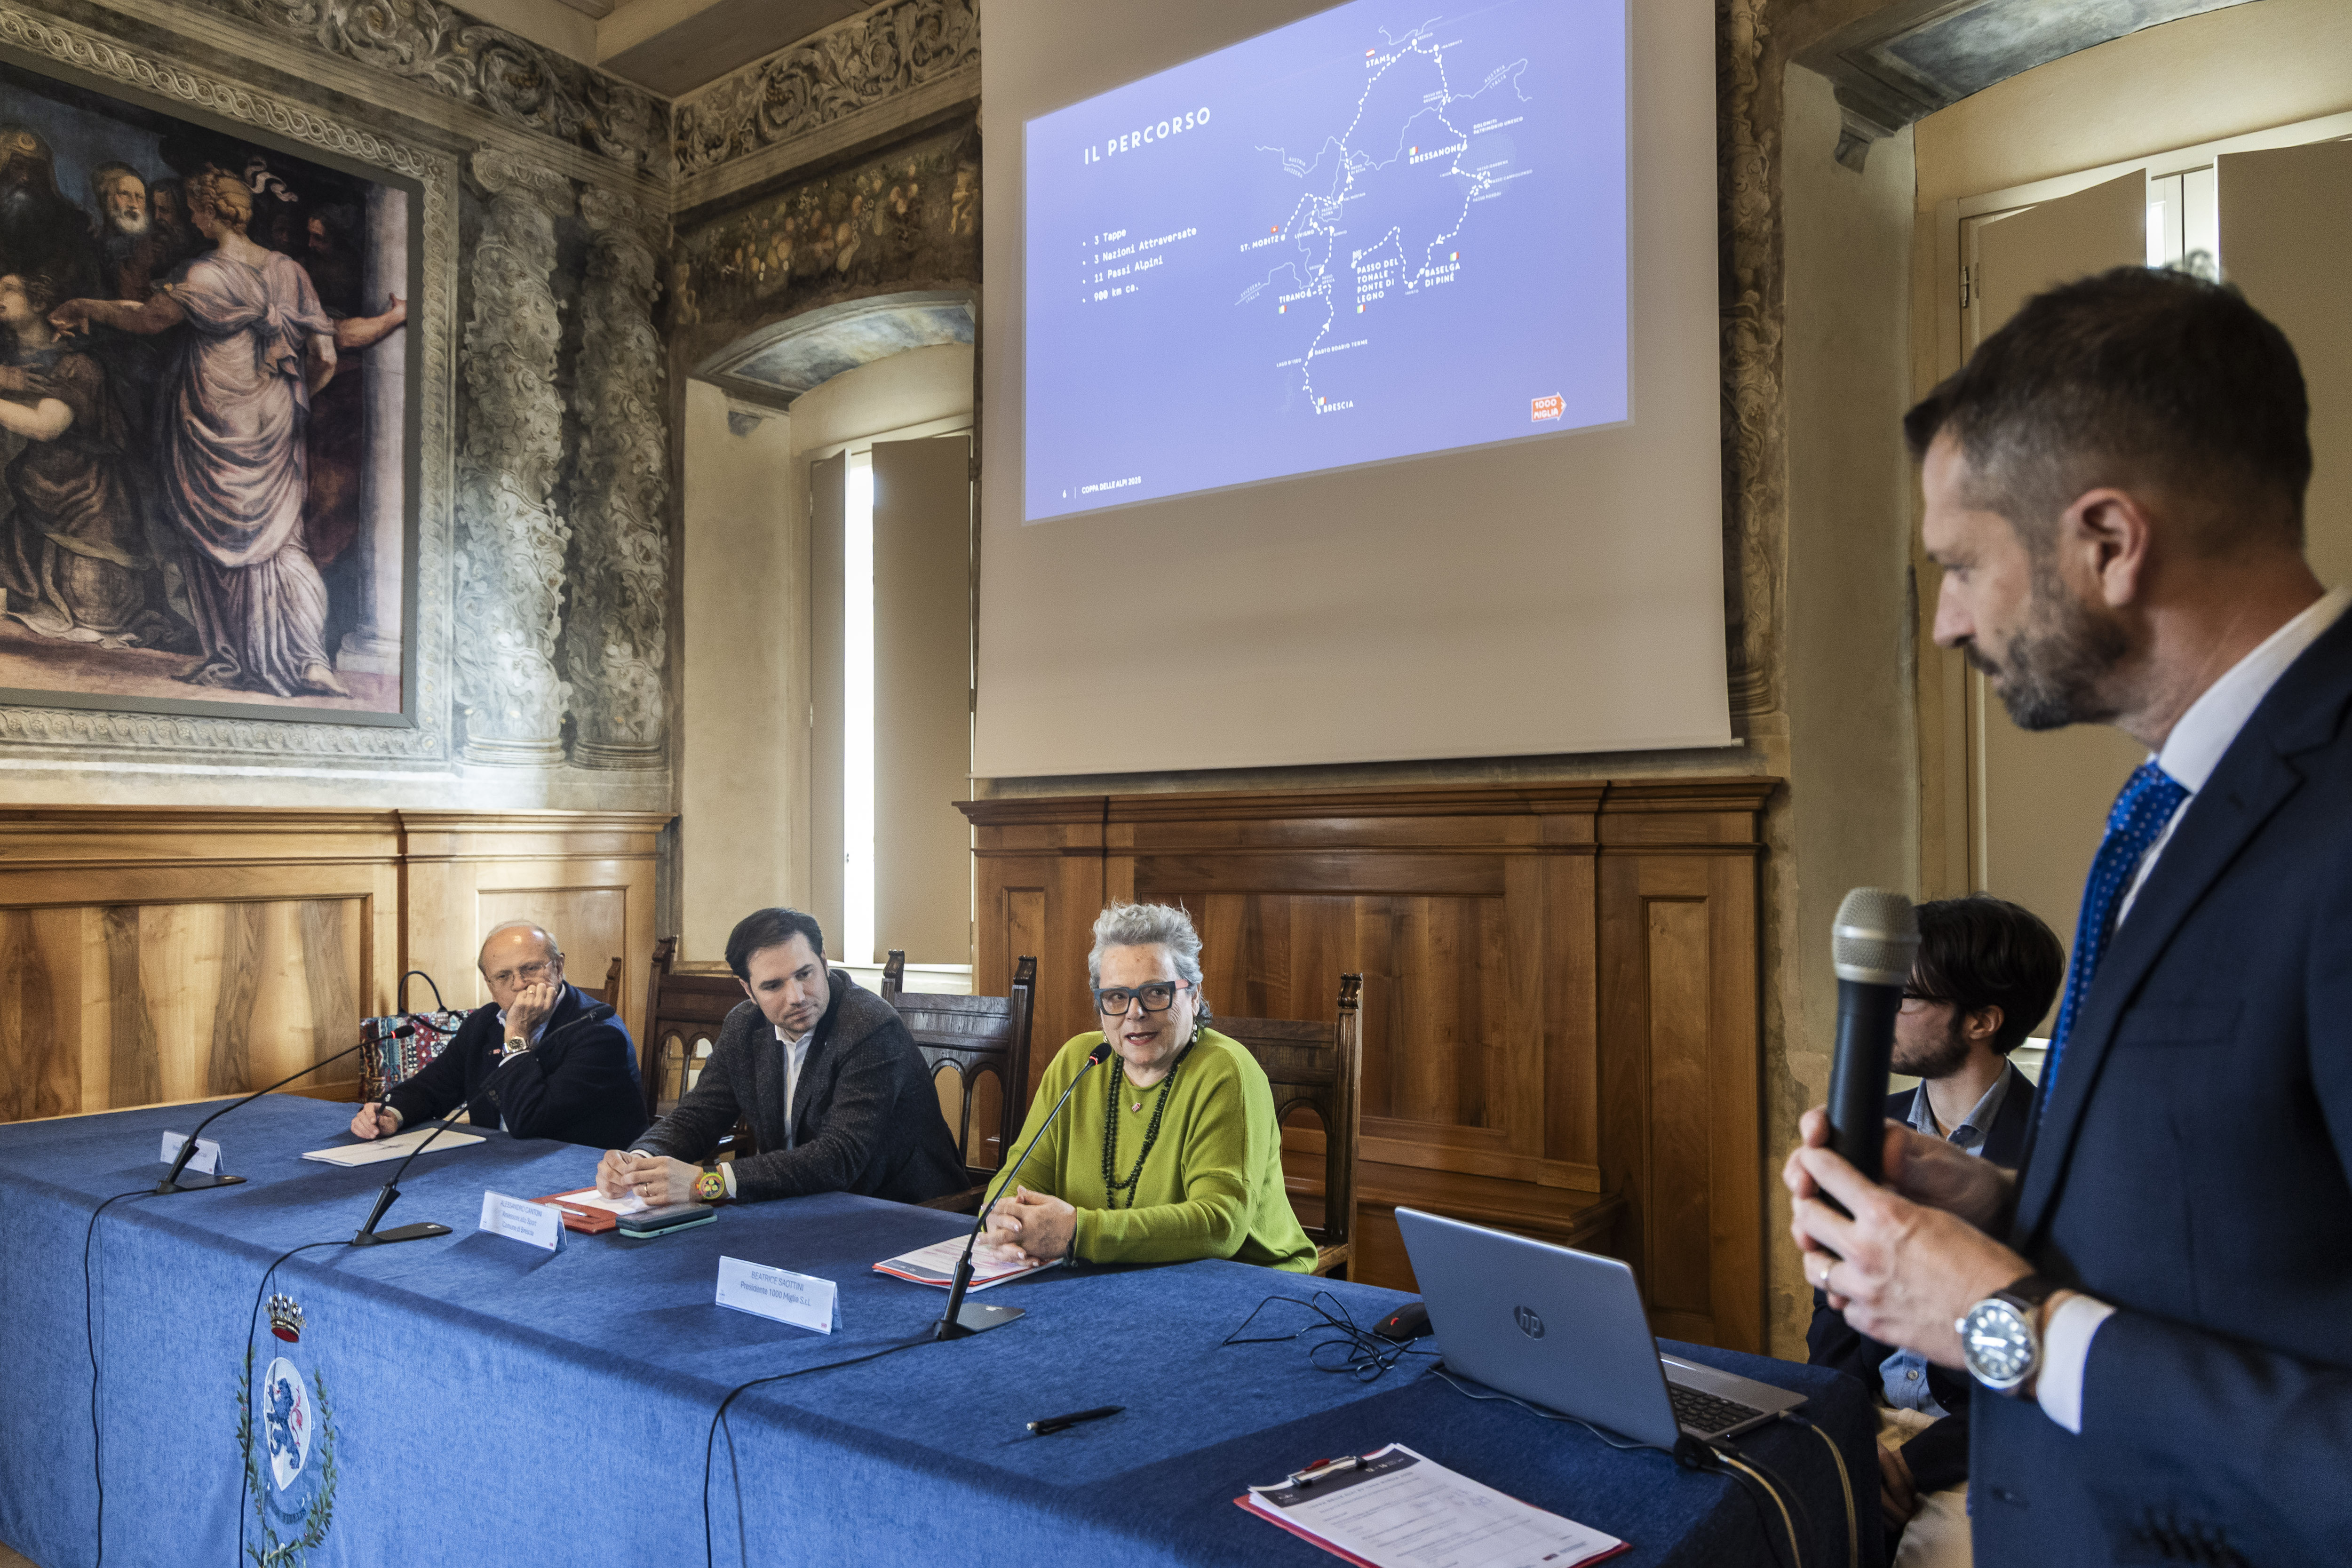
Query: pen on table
[{"x": 1055, "y": 1423}]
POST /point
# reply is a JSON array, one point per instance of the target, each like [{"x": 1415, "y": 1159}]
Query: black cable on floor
[
  {"x": 89, "y": 1332},
  {"x": 719, "y": 1419}
]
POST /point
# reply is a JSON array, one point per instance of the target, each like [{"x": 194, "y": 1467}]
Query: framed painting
[{"x": 208, "y": 449}]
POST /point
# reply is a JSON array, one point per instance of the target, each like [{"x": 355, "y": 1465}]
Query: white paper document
[
  {"x": 398, "y": 1146},
  {"x": 1400, "y": 1509},
  {"x": 590, "y": 1198},
  {"x": 519, "y": 1219},
  {"x": 935, "y": 1265},
  {"x": 800, "y": 1299},
  {"x": 205, "y": 1161}
]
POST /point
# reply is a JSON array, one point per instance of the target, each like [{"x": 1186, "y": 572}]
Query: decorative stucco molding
[
  {"x": 616, "y": 641},
  {"x": 84, "y": 735},
  {"x": 450, "y": 53},
  {"x": 1753, "y": 495},
  {"x": 841, "y": 71},
  {"x": 511, "y": 543}
]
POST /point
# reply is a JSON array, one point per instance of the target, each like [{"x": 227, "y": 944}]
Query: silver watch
[{"x": 1999, "y": 1338}]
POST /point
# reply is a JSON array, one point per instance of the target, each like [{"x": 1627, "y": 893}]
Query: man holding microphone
[{"x": 2157, "y": 1308}]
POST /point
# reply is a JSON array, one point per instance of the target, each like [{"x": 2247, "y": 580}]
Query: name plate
[
  {"x": 205, "y": 1161},
  {"x": 796, "y": 1299},
  {"x": 517, "y": 1219}
]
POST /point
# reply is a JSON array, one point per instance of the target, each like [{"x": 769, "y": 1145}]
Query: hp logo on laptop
[{"x": 1529, "y": 1324}]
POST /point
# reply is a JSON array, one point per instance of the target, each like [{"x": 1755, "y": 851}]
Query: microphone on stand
[
  {"x": 960, "y": 1322},
  {"x": 368, "y": 1236},
  {"x": 176, "y": 1179},
  {"x": 1873, "y": 943}
]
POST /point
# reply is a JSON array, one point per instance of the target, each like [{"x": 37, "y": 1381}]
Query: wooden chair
[
  {"x": 612, "y": 990},
  {"x": 683, "y": 1012},
  {"x": 965, "y": 1039},
  {"x": 1318, "y": 1064}
]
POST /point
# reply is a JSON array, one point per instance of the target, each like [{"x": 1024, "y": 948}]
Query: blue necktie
[{"x": 2149, "y": 798}]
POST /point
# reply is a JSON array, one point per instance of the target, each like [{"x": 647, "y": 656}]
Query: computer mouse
[{"x": 1409, "y": 1322}]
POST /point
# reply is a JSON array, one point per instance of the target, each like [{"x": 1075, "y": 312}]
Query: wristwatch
[
  {"x": 2000, "y": 1336},
  {"x": 512, "y": 1050},
  {"x": 709, "y": 1186}
]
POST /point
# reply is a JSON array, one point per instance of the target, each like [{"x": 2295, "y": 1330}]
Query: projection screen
[{"x": 1349, "y": 383}]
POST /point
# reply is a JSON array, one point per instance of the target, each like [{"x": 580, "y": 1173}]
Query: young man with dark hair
[
  {"x": 2154, "y": 1306},
  {"x": 1987, "y": 972},
  {"x": 824, "y": 1073}
]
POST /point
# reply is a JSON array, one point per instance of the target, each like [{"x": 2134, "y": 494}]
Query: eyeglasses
[
  {"x": 1156, "y": 997},
  {"x": 527, "y": 974}
]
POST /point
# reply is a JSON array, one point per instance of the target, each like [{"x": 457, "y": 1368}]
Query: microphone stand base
[
  {"x": 974, "y": 1319},
  {"x": 420, "y": 1231},
  {"x": 194, "y": 1181}
]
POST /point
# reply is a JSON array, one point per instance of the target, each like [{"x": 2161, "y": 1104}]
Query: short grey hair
[
  {"x": 545, "y": 935},
  {"x": 1149, "y": 925}
]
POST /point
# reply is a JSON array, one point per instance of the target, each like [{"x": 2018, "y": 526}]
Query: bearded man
[
  {"x": 2153, "y": 1307},
  {"x": 1986, "y": 973}
]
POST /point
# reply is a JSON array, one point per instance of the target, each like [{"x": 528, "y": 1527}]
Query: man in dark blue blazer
[
  {"x": 1986, "y": 973},
  {"x": 544, "y": 1078},
  {"x": 2163, "y": 1343}
]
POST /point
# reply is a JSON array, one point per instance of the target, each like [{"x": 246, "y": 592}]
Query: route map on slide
[{"x": 1383, "y": 231}]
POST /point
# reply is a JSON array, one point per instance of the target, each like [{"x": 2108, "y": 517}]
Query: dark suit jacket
[
  {"x": 2194, "y": 1168},
  {"x": 578, "y": 1088},
  {"x": 865, "y": 1119},
  {"x": 1939, "y": 1455}
]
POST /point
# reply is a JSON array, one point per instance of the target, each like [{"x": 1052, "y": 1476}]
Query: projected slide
[{"x": 1383, "y": 231}]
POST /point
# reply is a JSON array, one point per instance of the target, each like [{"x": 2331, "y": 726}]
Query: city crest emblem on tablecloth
[{"x": 287, "y": 1429}]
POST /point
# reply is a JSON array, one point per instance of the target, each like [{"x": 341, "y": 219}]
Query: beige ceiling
[{"x": 669, "y": 47}]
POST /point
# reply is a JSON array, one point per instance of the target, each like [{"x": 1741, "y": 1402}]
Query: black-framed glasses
[{"x": 1156, "y": 997}]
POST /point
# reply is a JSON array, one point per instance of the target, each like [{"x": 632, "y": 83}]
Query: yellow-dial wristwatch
[{"x": 710, "y": 1184}]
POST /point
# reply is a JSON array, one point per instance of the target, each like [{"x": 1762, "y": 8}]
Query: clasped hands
[
  {"x": 1031, "y": 1227},
  {"x": 657, "y": 1179},
  {"x": 1914, "y": 1254}
]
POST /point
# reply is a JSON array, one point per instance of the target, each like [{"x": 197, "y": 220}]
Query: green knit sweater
[{"x": 1213, "y": 1186}]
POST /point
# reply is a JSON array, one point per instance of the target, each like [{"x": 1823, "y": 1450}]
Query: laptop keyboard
[{"x": 1706, "y": 1413}]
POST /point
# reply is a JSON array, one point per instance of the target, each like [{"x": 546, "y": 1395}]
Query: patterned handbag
[{"x": 403, "y": 1045}]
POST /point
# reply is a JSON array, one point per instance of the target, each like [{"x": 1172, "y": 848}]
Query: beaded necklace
[{"x": 1150, "y": 1134}]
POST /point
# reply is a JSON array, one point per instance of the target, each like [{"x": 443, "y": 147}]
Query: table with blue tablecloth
[{"x": 469, "y": 1397}]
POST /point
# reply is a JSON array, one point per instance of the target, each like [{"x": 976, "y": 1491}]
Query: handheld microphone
[
  {"x": 176, "y": 1181},
  {"x": 1873, "y": 944},
  {"x": 368, "y": 1236},
  {"x": 960, "y": 1322}
]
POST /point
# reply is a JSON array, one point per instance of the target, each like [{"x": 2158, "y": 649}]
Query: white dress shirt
[
  {"x": 795, "y": 1054},
  {"x": 2191, "y": 752}
]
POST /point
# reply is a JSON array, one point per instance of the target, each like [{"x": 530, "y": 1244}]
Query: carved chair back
[
  {"x": 1320, "y": 1065},
  {"x": 967, "y": 1041}
]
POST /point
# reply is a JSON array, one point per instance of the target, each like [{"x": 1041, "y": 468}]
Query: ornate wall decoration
[
  {"x": 450, "y": 53},
  {"x": 889, "y": 49},
  {"x": 510, "y": 556},
  {"x": 33, "y": 732},
  {"x": 908, "y": 218},
  {"x": 1746, "y": 143},
  {"x": 615, "y": 642}
]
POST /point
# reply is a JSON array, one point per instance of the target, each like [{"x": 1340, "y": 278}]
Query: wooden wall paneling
[
  {"x": 587, "y": 876},
  {"x": 155, "y": 954},
  {"x": 41, "y": 1028},
  {"x": 1038, "y": 875}
]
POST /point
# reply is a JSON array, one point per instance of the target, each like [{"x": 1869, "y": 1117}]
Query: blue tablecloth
[{"x": 469, "y": 1397}]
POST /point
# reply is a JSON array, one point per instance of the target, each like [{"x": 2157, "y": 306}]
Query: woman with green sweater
[{"x": 1172, "y": 1152}]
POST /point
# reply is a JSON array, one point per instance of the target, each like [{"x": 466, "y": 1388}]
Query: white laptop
[{"x": 1565, "y": 1329}]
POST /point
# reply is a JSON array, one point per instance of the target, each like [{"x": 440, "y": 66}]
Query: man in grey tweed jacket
[{"x": 824, "y": 1072}]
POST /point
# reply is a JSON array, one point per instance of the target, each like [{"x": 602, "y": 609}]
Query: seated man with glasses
[
  {"x": 546, "y": 1080},
  {"x": 1986, "y": 973},
  {"x": 1173, "y": 1152}
]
